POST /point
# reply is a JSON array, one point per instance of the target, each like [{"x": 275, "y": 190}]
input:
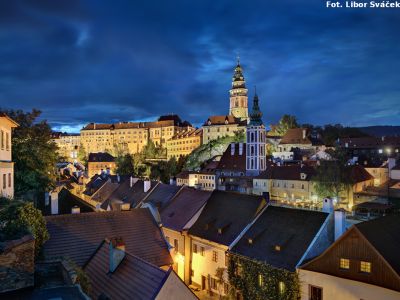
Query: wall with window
[
  {"x": 206, "y": 259},
  {"x": 7, "y": 179},
  {"x": 177, "y": 241},
  {"x": 6, "y": 164},
  {"x": 332, "y": 288}
]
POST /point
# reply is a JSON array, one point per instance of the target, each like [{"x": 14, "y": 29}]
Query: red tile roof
[
  {"x": 224, "y": 120},
  {"x": 369, "y": 142},
  {"x": 191, "y": 132},
  {"x": 236, "y": 162},
  {"x": 77, "y": 236},
  {"x": 288, "y": 172},
  {"x": 299, "y": 136}
]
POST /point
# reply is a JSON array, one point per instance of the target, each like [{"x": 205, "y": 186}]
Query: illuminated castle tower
[
  {"x": 238, "y": 95},
  {"x": 255, "y": 141}
]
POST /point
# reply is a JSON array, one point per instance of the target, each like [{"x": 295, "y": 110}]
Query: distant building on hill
[
  {"x": 100, "y": 162},
  {"x": 131, "y": 136}
]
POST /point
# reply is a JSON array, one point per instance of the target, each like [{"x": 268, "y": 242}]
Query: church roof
[
  {"x": 256, "y": 114},
  {"x": 224, "y": 120}
]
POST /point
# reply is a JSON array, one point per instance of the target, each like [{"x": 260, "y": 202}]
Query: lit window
[
  {"x": 365, "y": 267},
  {"x": 282, "y": 287},
  {"x": 260, "y": 280},
  {"x": 345, "y": 263}
]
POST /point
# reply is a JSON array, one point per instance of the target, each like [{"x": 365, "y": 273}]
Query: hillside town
[{"x": 233, "y": 209}]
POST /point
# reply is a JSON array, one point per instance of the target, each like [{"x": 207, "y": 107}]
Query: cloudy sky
[{"x": 101, "y": 61}]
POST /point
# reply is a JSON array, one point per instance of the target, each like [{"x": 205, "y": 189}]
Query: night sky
[{"x": 108, "y": 61}]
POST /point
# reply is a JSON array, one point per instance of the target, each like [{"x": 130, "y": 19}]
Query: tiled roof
[
  {"x": 228, "y": 213},
  {"x": 173, "y": 120},
  {"x": 101, "y": 157},
  {"x": 126, "y": 194},
  {"x": 184, "y": 174},
  {"x": 236, "y": 162},
  {"x": 291, "y": 229},
  {"x": 224, "y": 120},
  {"x": 134, "y": 278},
  {"x": 359, "y": 174},
  {"x": 369, "y": 142},
  {"x": 183, "y": 207},
  {"x": 77, "y": 236},
  {"x": 288, "y": 173},
  {"x": 383, "y": 234},
  {"x": 162, "y": 194},
  {"x": 191, "y": 132},
  {"x": 296, "y": 136},
  {"x": 210, "y": 167},
  {"x": 67, "y": 200}
]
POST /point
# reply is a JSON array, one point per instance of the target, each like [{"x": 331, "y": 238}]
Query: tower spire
[{"x": 256, "y": 114}]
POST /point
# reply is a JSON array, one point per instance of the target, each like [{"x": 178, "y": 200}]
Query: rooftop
[
  {"x": 226, "y": 215},
  {"x": 280, "y": 236},
  {"x": 183, "y": 207},
  {"x": 101, "y": 157},
  {"x": 139, "y": 279},
  {"x": 77, "y": 236}
]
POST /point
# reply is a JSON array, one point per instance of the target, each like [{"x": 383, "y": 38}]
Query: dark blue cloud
[{"x": 82, "y": 61}]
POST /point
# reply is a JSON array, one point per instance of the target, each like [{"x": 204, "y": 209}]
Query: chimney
[
  {"x": 240, "y": 148},
  {"x": 75, "y": 210},
  {"x": 54, "y": 202},
  {"x": 327, "y": 205},
  {"x": 171, "y": 181},
  {"x": 340, "y": 222},
  {"x": 108, "y": 171},
  {"x": 94, "y": 125},
  {"x": 146, "y": 185},
  {"x": 130, "y": 182},
  {"x": 304, "y": 133},
  {"x": 232, "y": 149},
  {"x": 117, "y": 253},
  {"x": 391, "y": 162},
  {"x": 118, "y": 178}
]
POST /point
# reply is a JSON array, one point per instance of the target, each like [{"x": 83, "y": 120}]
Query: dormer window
[
  {"x": 303, "y": 176},
  {"x": 365, "y": 267},
  {"x": 250, "y": 241}
]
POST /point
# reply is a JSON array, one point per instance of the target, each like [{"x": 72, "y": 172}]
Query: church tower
[
  {"x": 255, "y": 142},
  {"x": 238, "y": 95}
]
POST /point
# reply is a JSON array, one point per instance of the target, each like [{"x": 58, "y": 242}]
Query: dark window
[
  {"x": 194, "y": 248},
  {"x": 213, "y": 283},
  {"x": 4, "y": 181},
  {"x": 226, "y": 288},
  {"x": 176, "y": 245},
  {"x": 215, "y": 256},
  {"x": 9, "y": 179},
  {"x": 315, "y": 292},
  {"x": 202, "y": 251}
]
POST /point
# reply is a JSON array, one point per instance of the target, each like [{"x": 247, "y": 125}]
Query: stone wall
[{"x": 17, "y": 263}]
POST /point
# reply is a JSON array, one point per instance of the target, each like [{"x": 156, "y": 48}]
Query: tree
[
  {"x": 332, "y": 176},
  {"x": 219, "y": 274},
  {"x": 285, "y": 123},
  {"x": 125, "y": 165},
  {"x": 34, "y": 153},
  {"x": 19, "y": 218},
  {"x": 82, "y": 155}
]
